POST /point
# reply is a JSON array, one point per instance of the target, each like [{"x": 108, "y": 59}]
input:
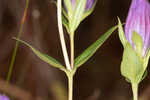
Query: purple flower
[
  {"x": 3, "y": 97},
  {"x": 138, "y": 20},
  {"x": 89, "y": 4}
]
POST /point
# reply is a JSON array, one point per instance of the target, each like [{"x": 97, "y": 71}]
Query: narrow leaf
[
  {"x": 44, "y": 57},
  {"x": 89, "y": 52}
]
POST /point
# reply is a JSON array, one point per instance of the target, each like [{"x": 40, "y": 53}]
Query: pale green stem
[
  {"x": 66, "y": 58},
  {"x": 72, "y": 49},
  {"x": 17, "y": 43},
  {"x": 70, "y": 87},
  {"x": 61, "y": 34},
  {"x": 135, "y": 91}
]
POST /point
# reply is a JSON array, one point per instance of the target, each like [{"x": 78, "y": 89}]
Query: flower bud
[
  {"x": 138, "y": 21},
  {"x": 89, "y": 4},
  {"x": 136, "y": 41},
  {"x": 75, "y": 11}
]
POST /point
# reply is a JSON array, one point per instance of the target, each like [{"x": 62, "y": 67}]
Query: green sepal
[
  {"x": 44, "y": 57},
  {"x": 77, "y": 15},
  {"x": 87, "y": 13},
  {"x": 68, "y": 6},
  {"x": 121, "y": 33},
  {"x": 144, "y": 75},
  {"x": 138, "y": 42},
  {"x": 65, "y": 23},
  {"x": 89, "y": 52},
  {"x": 132, "y": 65},
  {"x": 146, "y": 58}
]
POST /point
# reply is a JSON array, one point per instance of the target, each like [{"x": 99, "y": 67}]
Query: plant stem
[
  {"x": 70, "y": 75},
  {"x": 70, "y": 86},
  {"x": 135, "y": 91},
  {"x": 17, "y": 43},
  {"x": 61, "y": 34},
  {"x": 72, "y": 49}
]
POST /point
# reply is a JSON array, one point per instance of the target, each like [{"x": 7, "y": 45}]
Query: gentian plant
[
  {"x": 71, "y": 13},
  {"x": 136, "y": 43}
]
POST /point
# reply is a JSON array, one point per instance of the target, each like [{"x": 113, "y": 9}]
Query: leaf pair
[{"x": 81, "y": 59}]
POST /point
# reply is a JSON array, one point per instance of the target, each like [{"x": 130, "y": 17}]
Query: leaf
[
  {"x": 132, "y": 65},
  {"x": 89, "y": 52},
  {"x": 44, "y": 57}
]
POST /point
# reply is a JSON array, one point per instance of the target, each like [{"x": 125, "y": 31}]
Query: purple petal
[
  {"x": 89, "y": 4},
  {"x": 139, "y": 20},
  {"x": 73, "y": 2},
  {"x": 3, "y": 97}
]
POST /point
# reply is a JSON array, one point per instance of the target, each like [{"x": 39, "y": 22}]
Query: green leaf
[
  {"x": 137, "y": 40},
  {"x": 132, "y": 65},
  {"x": 44, "y": 57},
  {"x": 89, "y": 52},
  {"x": 77, "y": 15},
  {"x": 121, "y": 33}
]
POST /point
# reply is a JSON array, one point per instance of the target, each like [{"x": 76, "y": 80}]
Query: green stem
[
  {"x": 17, "y": 43},
  {"x": 70, "y": 87},
  {"x": 72, "y": 49},
  {"x": 61, "y": 34},
  {"x": 135, "y": 91}
]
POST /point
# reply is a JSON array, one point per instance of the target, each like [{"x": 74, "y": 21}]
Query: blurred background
[{"x": 32, "y": 79}]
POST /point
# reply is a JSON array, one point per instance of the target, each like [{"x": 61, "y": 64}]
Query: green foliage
[
  {"x": 44, "y": 57},
  {"x": 89, "y": 52}
]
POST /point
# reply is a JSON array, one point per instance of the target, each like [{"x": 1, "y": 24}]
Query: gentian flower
[
  {"x": 138, "y": 20},
  {"x": 136, "y": 42},
  {"x": 3, "y": 97}
]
